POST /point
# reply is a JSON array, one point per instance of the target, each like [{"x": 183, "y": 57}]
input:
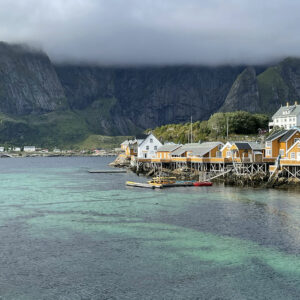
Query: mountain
[
  {"x": 121, "y": 99},
  {"x": 48, "y": 104},
  {"x": 244, "y": 94},
  {"x": 28, "y": 82}
]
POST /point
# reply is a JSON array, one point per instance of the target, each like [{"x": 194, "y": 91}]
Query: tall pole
[
  {"x": 227, "y": 127},
  {"x": 191, "y": 129}
]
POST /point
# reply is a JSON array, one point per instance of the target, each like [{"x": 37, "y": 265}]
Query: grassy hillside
[
  {"x": 94, "y": 141},
  {"x": 241, "y": 125}
]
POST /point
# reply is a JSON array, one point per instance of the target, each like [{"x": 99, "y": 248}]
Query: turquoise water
[{"x": 68, "y": 234}]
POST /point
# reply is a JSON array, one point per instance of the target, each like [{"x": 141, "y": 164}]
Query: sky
[{"x": 136, "y": 32}]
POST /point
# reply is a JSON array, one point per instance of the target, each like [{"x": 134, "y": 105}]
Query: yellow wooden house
[
  {"x": 164, "y": 152},
  {"x": 278, "y": 144}
]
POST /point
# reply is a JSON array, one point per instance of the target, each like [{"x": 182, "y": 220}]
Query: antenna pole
[
  {"x": 191, "y": 129},
  {"x": 227, "y": 127}
]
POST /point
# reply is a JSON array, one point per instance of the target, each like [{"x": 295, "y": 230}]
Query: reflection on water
[{"x": 68, "y": 234}]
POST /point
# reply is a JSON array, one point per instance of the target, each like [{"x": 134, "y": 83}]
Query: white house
[
  {"x": 29, "y": 148},
  {"x": 1, "y": 149},
  {"x": 17, "y": 149},
  {"x": 286, "y": 117},
  {"x": 148, "y": 147}
]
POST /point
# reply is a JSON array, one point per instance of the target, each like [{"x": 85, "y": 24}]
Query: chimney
[{"x": 287, "y": 104}]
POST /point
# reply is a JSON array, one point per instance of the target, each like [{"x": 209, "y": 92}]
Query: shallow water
[{"x": 68, "y": 234}]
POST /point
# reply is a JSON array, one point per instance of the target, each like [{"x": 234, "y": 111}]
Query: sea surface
[{"x": 69, "y": 234}]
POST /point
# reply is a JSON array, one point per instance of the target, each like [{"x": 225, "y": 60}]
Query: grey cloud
[{"x": 155, "y": 31}]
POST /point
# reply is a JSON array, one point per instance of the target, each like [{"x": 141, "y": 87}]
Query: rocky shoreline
[{"x": 258, "y": 180}]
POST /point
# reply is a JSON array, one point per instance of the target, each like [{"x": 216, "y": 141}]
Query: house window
[
  {"x": 155, "y": 147},
  {"x": 219, "y": 154},
  {"x": 268, "y": 144},
  {"x": 228, "y": 153},
  {"x": 147, "y": 147},
  {"x": 151, "y": 140},
  {"x": 296, "y": 140},
  {"x": 268, "y": 152},
  {"x": 298, "y": 145},
  {"x": 281, "y": 152},
  {"x": 293, "y": 156},
  {"x": 145, "y": 155}
]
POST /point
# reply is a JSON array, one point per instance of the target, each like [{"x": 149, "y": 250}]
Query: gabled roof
[
  {"x": 293, "y": 110},
  {"x": 242, "y": 145},
  {"x": 196, "y": 148},
  {"x": 179, "y": 151},
  {"x": 141, "y": 136},
  {"x": 288, "y": 135},
  {"x": 292, "y": 147},
  {"x": 168, "y": 148},
  {"x": 256, "y": 146},
  {"x": 148, "y": 137},
  {"x": 275, "y": 135}
]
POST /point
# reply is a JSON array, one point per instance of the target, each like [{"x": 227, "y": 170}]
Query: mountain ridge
[{"x": 37, "y": 95}]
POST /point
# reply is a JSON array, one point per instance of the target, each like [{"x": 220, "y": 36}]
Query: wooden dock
[{"x": 107, "y": 171}]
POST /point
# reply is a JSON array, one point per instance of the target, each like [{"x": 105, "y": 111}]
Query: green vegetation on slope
[
  {"x": 239, "y": 123},
  {"x": 94, "y": 141},
  {"x": 271, "y": 83}
]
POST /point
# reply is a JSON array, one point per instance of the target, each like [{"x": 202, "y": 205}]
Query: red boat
[{"x": 202, "y": 183}]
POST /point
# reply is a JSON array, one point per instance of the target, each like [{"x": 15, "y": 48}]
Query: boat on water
[
  {"x": 202, "y": 183},
  {"x": 158, "y": 181},
  {"x": 161, "y": 182}
]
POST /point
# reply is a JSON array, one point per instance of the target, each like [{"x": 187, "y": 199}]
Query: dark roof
[
  {"x": 276, "y": 135},
  {"x": 141, "y": 136},
  {"x": 288, "y": 134},
  {"x": 243, "y": 146}
]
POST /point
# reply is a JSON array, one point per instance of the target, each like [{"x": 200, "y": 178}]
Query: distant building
[
  {"x": 56, "y": 150},
  {"x": 29, "y": 148},
  {"x": 148, "y": 147},
  {"x": 286, "y": 117},
  {"x": 17, "y": 149},
  {"x": 1, "y": 149}
]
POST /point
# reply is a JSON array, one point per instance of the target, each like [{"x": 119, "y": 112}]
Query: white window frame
[
  {"x": 293, "y": 155},
  {"x": 268, "y": 144},
  {"x": 269, "y": 152}
]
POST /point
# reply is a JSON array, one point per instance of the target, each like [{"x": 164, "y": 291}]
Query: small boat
[
  {"x": 202, "y": 183},
  {"x": 142, "y": 185},
  {"x": 162, "y": 181}
]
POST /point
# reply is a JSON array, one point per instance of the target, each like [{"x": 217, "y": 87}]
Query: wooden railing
[{"x": 290, "y": 162}]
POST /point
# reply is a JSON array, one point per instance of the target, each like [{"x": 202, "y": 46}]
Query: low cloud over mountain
[{"x": 155, "y": 31}]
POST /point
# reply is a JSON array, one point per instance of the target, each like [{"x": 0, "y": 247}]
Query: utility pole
[
  {"x": 227, "y": 127},
  {"x": 191, "y": 129}
]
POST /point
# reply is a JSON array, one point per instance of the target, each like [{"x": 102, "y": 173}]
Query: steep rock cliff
[
  {"x": 243, "y": 94},
  {"x": 146, "y": 97},
  {"x": 28, "y": 81},
  {"x": 279, "y": 84}
]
